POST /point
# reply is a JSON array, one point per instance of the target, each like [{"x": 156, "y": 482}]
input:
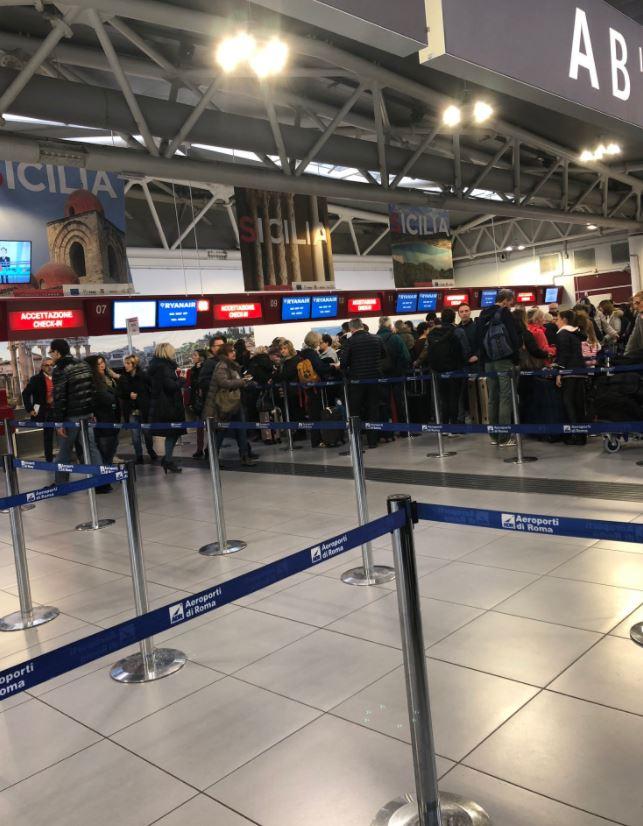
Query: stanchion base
[
  {"x": 290, "y": 449},
  {"x": 640, "y": 464},
  {"x": 380, "y": 574},
  {"x": 455, "y": 812},
  {"x": 232, "y": 546},
  {"x": 444, "y": 455},
  {"x": 39, "y": 616},
  {"x": 24, "y": 507},
  {"x": 514, "y": 460},
  {"x": 130, "y": 670},
  {"x": 89, "y": 526},
  {"x": 636, "y": 633}
]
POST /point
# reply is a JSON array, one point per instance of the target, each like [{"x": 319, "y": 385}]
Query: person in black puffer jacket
[
  {"x": 166, "y": 401},
  {"x": 73, "y": 401},
  {"x": 569, "y": 356}
]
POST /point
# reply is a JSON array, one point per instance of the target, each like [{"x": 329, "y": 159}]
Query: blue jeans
[
  {"x": 66, "y": 446},
  {"x": 137, "y": 439}
]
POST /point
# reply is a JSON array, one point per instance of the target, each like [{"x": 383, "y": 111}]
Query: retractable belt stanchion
[
  {"x": 407, "y": 417},
  {"x": 29, "y": 616},
  {"x": 96, "y": 524},
  {"x": 427, "y": 807},
  {"x": 348, "y": 411},
  {"x": 11, "y": 451},
  {"x": 291, "y": 445},
  {"x": 368, "y": 573},
  {"x": 442, "y": 453},
  {"x": 519, "y": 458},
  {"x": 150, "y": 663},
  {"x": 223, "y": 545}
]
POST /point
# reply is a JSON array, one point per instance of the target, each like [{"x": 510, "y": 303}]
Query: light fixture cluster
[
  {"x": 520, "y": 248},
  {"x": 603, "y": 150},
  {"x": 480, "y": 112},
  {"x": 265, "y": 59}
]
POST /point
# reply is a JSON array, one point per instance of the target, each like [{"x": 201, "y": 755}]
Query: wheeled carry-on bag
[
  {"x": 269, "y": 412},
  {"x": 332, "y": 437},
  {"x": 483, "y": 400}
]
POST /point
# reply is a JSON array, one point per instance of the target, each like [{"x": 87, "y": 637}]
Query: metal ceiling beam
[
  {"x": 113, "y": 159},
  {"x": 551, "y": 242},
  {"x": 208, "y": 25}
]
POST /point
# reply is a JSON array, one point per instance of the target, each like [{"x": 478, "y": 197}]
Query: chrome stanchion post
[
  {"x": 10, "y": 442},
  {"x": 347, "y": 410},
  {"x": 291, "y": 445},
  {"x": 96, "y": 524},
  {"x": 223, "y": 545},
  {"x": 405, "y": 398},
  {"x": 150, "y": 663},
  {"x": 519, "y": 458},
  {"x": 442, "y": 453},
  {"x": 427, "y": 807},
  {"x": 28, "y": 616},
  {"x": 368, "y": 573}
]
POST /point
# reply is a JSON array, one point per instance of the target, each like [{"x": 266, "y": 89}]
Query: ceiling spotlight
[
  {"x": 509, "y": 249},
  {"x": 613, "y": 148},
  {"x": 521, "y": 247},
  {"x": 592, "y": 227},
  {"x": 482, "y": 111},
  {"x": 232, "y": 51},
  {"x": 452, "y": 115},
  {"x": 586, "y": 156},
  {"x": 270, "y": 59}
]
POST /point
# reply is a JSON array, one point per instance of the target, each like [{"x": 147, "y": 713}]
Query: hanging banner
[
  {"x": 58, "y": 226},
  {"x": 421, "y": 245},
  {"x": 284, "y": 239}
]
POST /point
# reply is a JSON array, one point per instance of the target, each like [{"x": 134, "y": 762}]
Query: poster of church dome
[
  {"x": 60, "y": 226},
  {"x": 421, "y": 245}
]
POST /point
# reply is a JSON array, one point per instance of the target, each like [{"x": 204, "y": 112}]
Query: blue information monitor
[
  {"x": 551, "y": 295},
  {"x": 488, "y": 298},
  {"x": 294, "y": 308},
  {"x": 427, "y": 302},
  {"x": 406, "y": 303},
  {"x": 324, "y": 306},
  {"x": 177, "y": 313}
]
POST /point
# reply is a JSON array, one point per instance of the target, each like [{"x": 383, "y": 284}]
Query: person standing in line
[
  {"x": 569, "y": 356},
  {"x": 73, "y": 402},
  {"x": 326, "y": 349},
  {"x": 209, "y": 365},
  {"x": 397, "y": 366},
  {"x": 498, "y": 343},
  {"x": 166, "y": 402},
  {"x": 106, "y": 408},
  {"x": 38, "y": 398},
  {"x": 196, "y": 398},
  {"x": 362, "y": 357},
  {"x": 134, "y": 393}
]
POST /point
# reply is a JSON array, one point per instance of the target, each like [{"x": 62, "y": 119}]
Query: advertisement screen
[
  {"x": 488, "y": 298},
  {"x": 364, "y": 305},
  {"x": 177, "y": 313},
  {"x": 455, "y": 299},
  {"x": 427, "y": 302},
  {"x": 324, "y": 306},
  {"x": 23, "y": 321},
  {"x": 15, "y": 262},
  {"x": 294, "y": 308},
  {"x": 551, "y": 295},
  {"x": 145, "y": 311},
  {"x": 235, "y": 312},
  {"x": 406, "y": 303}
]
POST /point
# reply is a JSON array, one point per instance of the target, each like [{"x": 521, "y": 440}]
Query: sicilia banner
[
  {"x": 59, "y": 226},
  {"x": 581, "y": 57},
  {"x": 421, "y": 245},
  {"x": 284, "y": 238}
]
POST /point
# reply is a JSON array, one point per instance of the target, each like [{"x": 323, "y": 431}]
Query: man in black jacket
[
  {"x": 38, "y": 398},
  {"x": 361, "y": 357},
  {"x": 73, "y": 401},
  {"x": 499, "y": 347}
]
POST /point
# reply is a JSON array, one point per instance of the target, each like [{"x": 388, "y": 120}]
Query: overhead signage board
[
  {"x": 594, "y": 53},
  {"x": 488, "y": 298},
  {"x": 524, "y": 297},
  {"x": 455, "y": 299},
  {"x": 177, "y": 313},
  {"x": 324, "y": 306},
  {"x": 295, "y": 308},
  {"x": 406, "y": 303},
  {"x": 145, "y": 311},
  {"x": 357, "y": 306},
  {"x": 399, "y": 28}
]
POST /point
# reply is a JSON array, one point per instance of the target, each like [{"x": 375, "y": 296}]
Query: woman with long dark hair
[{"x": 106, "y": 407}]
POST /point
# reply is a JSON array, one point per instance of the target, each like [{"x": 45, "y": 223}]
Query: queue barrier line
[
  {"x": 53, "y": 491},
  {"x": 330, "y": 425},
  {"x": 32, "y": 672},
  {"x": 595, "y": 428},
  {"x": 517, "y": 522},
  {"x": 58, "y": 467}
]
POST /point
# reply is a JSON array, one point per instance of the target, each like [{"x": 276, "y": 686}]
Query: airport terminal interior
[{"x": 321, "y": 388}]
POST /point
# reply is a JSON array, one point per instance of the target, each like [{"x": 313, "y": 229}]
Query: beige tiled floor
[{"x": 291, "y": 710}]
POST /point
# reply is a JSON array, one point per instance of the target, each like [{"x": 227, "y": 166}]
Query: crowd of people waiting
[{"x": 231, "y": 383}]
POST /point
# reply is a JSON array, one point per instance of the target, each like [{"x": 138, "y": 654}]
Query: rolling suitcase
[
  {"x": 483, "y": 400},
  {"x": 332, "y": 437},
  {"x": 269, "y": 412}
]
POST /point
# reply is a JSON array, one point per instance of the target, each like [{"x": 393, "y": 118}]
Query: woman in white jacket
[{"x": 609, "y": 320}]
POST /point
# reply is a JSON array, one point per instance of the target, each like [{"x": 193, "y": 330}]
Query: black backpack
[
  {"x": 440, "y": 354},
  {"x": 496, "y": 341}
]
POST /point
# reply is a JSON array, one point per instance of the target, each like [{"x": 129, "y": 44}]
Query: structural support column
[{"x": 636, "y": 261}]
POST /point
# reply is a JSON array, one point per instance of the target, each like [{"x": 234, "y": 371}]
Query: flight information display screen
[
  {"x": 144, "y": 311},
  {"x": 325, "y": 306},
  {"x": 295, "y": 308},
  {"x": 488, "y": 298},
  {"x": 406, "y": 303},
  {"x": 551, "y": 295},
  {"x": 427, "y": 302},
  {"x": 177, "y": 313}
]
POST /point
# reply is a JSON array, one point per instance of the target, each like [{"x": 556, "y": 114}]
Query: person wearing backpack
[
  {"x": 444, "y": 353},
  {"x": 499, "y": 347},
  {"x": 313, "y": 369},
  {"x": 397, "y": 364}
]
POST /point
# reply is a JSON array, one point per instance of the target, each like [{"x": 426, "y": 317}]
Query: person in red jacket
[{"x": 536, "y": 326}]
